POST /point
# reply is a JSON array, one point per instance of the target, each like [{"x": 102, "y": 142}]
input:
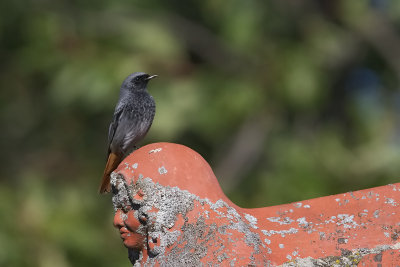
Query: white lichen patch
[
  {"x": 298, "y": 204},
  {"x": 155, "y": 150},
  {"x": 283, "y": 233},
  {"x": 376, "y": 213},
  {"x": 394, "y": 188},
  {"x": 350, "y": 258},
  {"x": 252, "y": 220},
  {"x": 391, "y": 201},
  {"x": 303, "y": 222},
  {"x": 386, "y": 234},
  {"x": 281, "y": 221},
  {"x": 346, "y": 220},
  {"x": 123, "y": 216},
  {"x": 162, "y": 170},
  {"x": 322, "y": 235},
  {"x": 332, "y": 219}
]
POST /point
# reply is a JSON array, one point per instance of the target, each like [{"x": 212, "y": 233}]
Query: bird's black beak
[{"x": 151, "y": 77}]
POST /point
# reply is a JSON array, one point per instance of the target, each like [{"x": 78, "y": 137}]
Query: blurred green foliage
[{"x": 287, "y": 100}]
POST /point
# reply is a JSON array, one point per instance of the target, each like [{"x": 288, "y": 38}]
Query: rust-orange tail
[{"x": 112, "y": 163}]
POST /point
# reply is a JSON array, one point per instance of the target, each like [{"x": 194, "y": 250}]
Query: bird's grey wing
[
  {"x": 113, "y": 127},
  {"x": 127, "y": 131}
]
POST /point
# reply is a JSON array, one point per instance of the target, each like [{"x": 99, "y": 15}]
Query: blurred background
[{"x": 287, "y": 100}]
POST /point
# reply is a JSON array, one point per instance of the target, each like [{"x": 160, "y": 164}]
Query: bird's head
[{"x": 137, "y": 81}]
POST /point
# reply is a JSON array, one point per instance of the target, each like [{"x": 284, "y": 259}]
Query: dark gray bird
[{"x": 133, "y": 116}]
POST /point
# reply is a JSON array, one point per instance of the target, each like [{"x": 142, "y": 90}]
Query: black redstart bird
[{"x": 133, "y": 116}]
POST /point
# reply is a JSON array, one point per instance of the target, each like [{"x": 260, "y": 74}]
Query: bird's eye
[{"x": 137, "y": 79}]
